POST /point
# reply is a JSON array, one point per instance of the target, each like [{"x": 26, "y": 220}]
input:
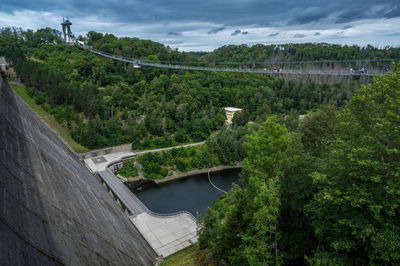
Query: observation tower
[{"x": 66, "y": 27}]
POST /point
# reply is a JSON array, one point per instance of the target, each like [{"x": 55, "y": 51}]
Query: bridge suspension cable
[
  {"x": 137, "y": 63},
  {"x": 281, "y": 62}
]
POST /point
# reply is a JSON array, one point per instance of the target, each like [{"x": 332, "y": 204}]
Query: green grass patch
[
  {"x": 128, "y": 170},
  {"x": 192, "y": 255},
  {"x": 49, "y": 119}
]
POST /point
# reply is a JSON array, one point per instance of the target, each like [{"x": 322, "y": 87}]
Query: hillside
[
  {"x": 106, "y": 103},
  {"x": 299, "y": 52}
]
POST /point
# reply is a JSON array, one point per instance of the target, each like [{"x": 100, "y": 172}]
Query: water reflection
[{"x": 193, "y": 194}]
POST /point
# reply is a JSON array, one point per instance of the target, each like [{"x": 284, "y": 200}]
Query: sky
[{"x": 204, "y": 25}]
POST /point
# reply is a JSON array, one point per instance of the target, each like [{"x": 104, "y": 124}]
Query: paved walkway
[{"x": 98, "y": 164}]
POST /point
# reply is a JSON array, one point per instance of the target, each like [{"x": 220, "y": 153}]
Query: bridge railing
[{"x": 299, "y": 71}]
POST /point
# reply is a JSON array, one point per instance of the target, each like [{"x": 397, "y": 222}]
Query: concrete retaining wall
[{"x": 91, "y": 154}]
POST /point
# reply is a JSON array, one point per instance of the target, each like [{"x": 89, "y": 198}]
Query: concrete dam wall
[{"x": 52, "y": 209}]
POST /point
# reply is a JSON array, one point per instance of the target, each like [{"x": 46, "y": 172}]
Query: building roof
[{"x": 232, "y": 109}]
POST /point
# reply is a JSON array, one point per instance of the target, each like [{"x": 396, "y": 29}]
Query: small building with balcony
[{"x": 230, "y": 112}]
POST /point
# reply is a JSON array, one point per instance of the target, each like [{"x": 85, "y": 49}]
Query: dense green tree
[
  {"x": 240, "y": 118},
  {"x": 356, "y": 213},
  {"x": 264, "y": 165},
  {"x": 318, "y": 130},
  {"x": 296, "y": 190},
  {"x": 249, "y": 231}
]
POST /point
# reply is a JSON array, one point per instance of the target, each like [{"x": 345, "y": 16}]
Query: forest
[
  {"x": 324, "y": 193},
  {"x": 299, "y": 52},
  {"x": 106, "y": 103}
]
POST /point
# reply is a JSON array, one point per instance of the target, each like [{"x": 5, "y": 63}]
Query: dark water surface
[{"x": 193, "y": 194}]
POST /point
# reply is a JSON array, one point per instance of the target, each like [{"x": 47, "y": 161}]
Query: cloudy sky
[{"x": 203, "y": 25}]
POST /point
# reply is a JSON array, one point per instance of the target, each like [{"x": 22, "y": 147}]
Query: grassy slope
[
  {"x": 189, "y": 256},
  {"x": 49, "y": 119}
]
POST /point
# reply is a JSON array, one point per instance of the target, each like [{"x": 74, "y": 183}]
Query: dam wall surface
[{"x": 53, "y": 211}]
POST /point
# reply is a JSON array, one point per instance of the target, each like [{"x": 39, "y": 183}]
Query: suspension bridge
[
  {"x": 345, "y": 70},
  {"x": 349, "y": 72}
]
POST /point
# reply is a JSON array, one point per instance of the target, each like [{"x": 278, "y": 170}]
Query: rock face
[{"x": 52, "y": 209}]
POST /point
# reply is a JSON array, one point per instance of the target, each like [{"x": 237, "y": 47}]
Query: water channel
[{"x": 193, "y": 194}]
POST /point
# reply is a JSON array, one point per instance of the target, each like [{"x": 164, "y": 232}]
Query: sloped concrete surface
[{"x": 52, "y": 209}]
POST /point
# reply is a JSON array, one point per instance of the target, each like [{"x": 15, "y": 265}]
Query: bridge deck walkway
[{"x": 127, "y": 198}]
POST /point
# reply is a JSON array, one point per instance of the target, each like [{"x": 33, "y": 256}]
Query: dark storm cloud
[
  {"x": 307, "y": 14},
  {"x": 273, "y": 34},
  {"x": 202, "y": 21},
  {"x": 236, "y": 32},
  {"x": 214, "y": 31},
  {"x": 347, "y": 27},
  {"x": 174, "y": 34},
  {"x": 350, "y": 15},
  {"x": 298, "y": 35},
  {"x": 369, "y": 10},
  {"x": 222, "y": 12},
  {"x": 395, "y": 12}
]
